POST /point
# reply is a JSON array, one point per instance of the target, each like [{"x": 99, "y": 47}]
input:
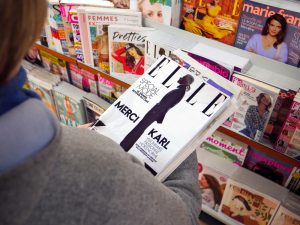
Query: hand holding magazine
[{"x": 162, "y": 117}]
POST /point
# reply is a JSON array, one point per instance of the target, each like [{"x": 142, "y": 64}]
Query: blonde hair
[{"x": 21, "y": 23}]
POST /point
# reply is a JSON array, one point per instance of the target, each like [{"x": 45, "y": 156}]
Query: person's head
[
  {"x": 161, "y": 51},
  {"x": 239, "y": 206},
  {"x": 55, "y": 69},
  {"x": 132, "y": 54},
  {"x": 209, "y": 181},
  {"x": 275, "y": 26},
  {"x": 264, "y": 99},
  {"x": 151, "y": 11},
  {"x": 16, "y": 39},
  {"x": 190, "y": 13},
  {"x": 186, "y": 80}
]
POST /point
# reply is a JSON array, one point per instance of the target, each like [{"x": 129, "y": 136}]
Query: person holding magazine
[
  {"x": 133, "y": 60},
  {"x": 270, "y": 43},
  {"x": 53, "y": 174},
  {"x": 257, "y": 115}
]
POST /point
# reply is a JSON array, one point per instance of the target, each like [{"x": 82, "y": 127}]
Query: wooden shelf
[
  {"x": 82, "y": 65},
  {"x": 259, "y": 146}
]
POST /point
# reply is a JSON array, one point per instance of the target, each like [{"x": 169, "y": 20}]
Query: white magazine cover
[
  {"x": 127, "y": 51},
  {"x": 254, "y": 107},
  {"x": 93, "y": 25},
  {"x": 285, "y": 217},
  {"x": 245, "y": 205},
  {"x": 164, "y": 111}
]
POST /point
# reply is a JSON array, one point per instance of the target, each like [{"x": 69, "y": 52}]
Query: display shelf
[
  {"x": 82, "y": 65},
  {"x": 219, "y": 216},
  {"x": 263, "y": 147}
]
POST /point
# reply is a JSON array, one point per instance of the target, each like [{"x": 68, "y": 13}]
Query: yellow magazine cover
[{"x": 215, "y": 19}]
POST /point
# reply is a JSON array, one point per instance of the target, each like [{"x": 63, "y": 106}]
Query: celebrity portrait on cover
[
  {"x": 159, "y": 111},
  {"x": 270, "y": 43},
  {"x": 152, "y": 11},
  {"x": 211, "y": 190},
  {"x": 257, "y": 115},
  {"x": 133, "y": 61}
]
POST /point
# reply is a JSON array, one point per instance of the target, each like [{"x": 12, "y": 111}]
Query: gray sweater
[{"x": 83, "y": 178}]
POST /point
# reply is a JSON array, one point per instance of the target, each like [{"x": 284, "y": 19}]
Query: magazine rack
[{"x": 264, "y": 69}]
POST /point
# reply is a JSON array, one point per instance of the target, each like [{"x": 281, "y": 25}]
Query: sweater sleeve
[
  {"x": 90, "y": 180},
  {"x": 184, "y": 182}
]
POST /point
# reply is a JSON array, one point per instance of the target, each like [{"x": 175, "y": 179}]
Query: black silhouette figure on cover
[{"x": 158, "y": 112}]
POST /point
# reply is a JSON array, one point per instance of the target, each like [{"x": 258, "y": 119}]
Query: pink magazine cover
[
  {"x": 279, "y": 114},
  {"x": 267, "y": 166},
  {"x": 290, "y": 126},
  {"x": 108, "y": 90},
  {"x": 83, "y": 79}
]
